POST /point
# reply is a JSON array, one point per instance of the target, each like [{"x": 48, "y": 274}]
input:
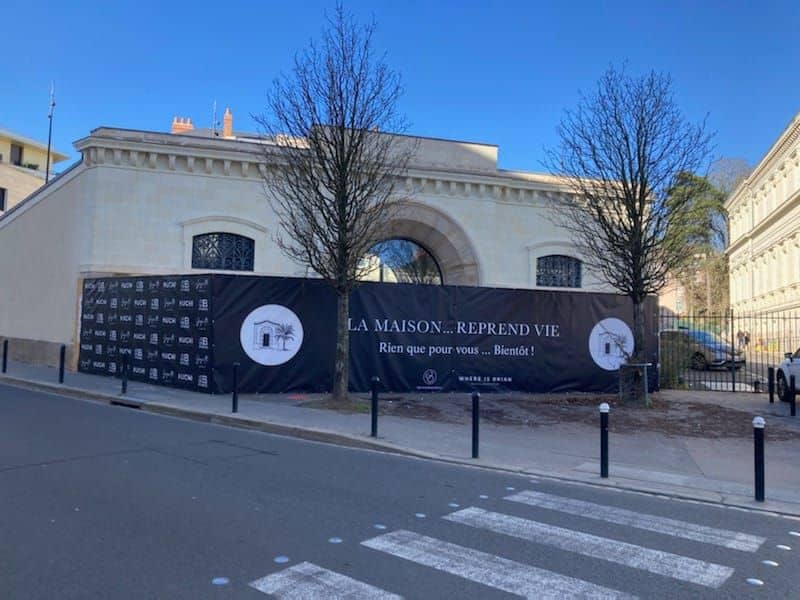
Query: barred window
[
  {"x": 226, "y": 251},
  {"x": 558, "y": 271}
]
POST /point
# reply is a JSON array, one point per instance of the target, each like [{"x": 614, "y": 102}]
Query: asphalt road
[{"x": 108, "y": 502}]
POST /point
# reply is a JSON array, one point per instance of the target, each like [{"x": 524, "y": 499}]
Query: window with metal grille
[
  {"x": 558, "y": 271},
  {"x": 226, "y": 251}
]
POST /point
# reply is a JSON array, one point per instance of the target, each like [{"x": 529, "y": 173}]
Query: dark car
[{"x": 702, "y": 349}]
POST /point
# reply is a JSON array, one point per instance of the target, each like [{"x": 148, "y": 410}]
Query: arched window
[
  {"x": 556, "y": 270},
  {"x": 400, "y": 261},
  {"x": 226, "y": 251}
]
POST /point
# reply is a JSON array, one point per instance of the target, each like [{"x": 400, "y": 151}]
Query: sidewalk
[{"x": 715, "y": 470}]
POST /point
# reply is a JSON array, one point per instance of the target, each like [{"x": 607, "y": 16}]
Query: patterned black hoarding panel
[{"x": 163, "y": 323}]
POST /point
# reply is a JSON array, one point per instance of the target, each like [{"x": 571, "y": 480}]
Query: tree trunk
[
  {"x": 638, "y": 332},
  {"x": 631, "y": 379},
  {"x": 341, "y": 373}
]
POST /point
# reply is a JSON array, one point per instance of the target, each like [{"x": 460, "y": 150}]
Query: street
[{"x": 109, "y": 502}]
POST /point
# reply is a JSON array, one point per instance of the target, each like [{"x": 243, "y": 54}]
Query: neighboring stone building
[
  {"x": 142, "y": 202},
  {"x": 22, "y": 167},
  {"x": 764, "y": 216}
]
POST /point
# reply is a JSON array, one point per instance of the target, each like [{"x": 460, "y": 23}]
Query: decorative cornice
[
  {"x": 782, "y": 145},
  {"x": 248, "y": 160}
]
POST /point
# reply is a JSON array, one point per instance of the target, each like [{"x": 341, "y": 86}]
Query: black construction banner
[
  {"x": 281, "y": 331},
  {"x": 188, "y": 331},
  {"x": 163, "y": 324},
  {"x": 418, "y": 337}
]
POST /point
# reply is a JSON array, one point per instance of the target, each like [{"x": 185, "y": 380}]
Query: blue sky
[{"x": 489, "y": 71}]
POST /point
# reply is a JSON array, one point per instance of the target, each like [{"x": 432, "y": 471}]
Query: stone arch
[{"x": 440, "y": 235}]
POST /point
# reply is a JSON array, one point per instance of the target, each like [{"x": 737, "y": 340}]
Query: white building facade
[
  {"x": 161, "y": 203},
  {"x": 764, "y": 247}
]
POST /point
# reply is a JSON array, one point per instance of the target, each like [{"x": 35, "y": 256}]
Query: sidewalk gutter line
[{"x": 352, "y": 441}]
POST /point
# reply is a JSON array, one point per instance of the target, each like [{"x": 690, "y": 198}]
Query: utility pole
[{"x": 50, "y": 130}]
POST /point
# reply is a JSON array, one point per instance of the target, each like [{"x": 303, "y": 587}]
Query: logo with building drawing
[
  {"x": 610, "y": 343},
  {"x": 271, "y": 335}
]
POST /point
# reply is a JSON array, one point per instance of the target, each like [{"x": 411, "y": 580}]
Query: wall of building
[
  {"x": 764, "y": 248},
  {"x": 19, "y": 183},
  {"x": 41, "y": 246}
]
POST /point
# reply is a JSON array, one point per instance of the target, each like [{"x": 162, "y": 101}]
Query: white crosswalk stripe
[
  {"x": 655, "y": 561},
  {"x": 487, "y": 569},
  {"x": 307, "y": 580},
  {"x": 620, "y": 516}
]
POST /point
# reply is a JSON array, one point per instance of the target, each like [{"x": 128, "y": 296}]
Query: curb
[{"x": 352, "y": 441}]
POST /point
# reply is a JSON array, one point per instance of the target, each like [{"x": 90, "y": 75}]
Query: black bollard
[
  {"x": 5, "y": 355},
  {"x": 758, "y": 456},
  {"x": 792, "y": 397},
  {"x": 771, "y": 384},
  {"x": 604, "y": 440},
  {"x": 235, "y": 396},
  {"x": 61, "y": 355},
  {"x": 125, "y": 361},
  {"x": 476, "y": 411},
  {"x": 375, "y": 381}
]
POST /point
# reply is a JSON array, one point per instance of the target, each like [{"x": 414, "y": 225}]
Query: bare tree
[
  {"x": 621, "y": 151},
  {"x": 330, "y": 174}
]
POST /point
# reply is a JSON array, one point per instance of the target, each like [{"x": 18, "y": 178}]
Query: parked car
[
  {"x": 702, "y": 349},
  {"x": 790, "y": 366}
]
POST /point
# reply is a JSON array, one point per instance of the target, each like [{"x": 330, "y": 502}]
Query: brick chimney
[
  {"x": 227, "y": 124},
  {"x": 181, "y": 124}
]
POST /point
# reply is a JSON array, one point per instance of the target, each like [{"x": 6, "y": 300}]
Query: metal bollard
[
  {"x": 792, "y": 397},
  {"x": 375, "y": 381},
  {"x": 758, "y": 456},
  {"x": 5, "y": 355},
  {"x": 476, "y": 411},
  {"x": 771, "y": 384},
  {"x": 125, "y": 362},
  {"x": 604, "y": 408},
  {"x": 61, "y": 356},
  {"x": 235, "y": 396}
]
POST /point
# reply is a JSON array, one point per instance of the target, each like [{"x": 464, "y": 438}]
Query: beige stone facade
[
  {"x": 764, "y": 215},
  {"x": 22, "y": 168},
  {"x": 136, "y": 201}
]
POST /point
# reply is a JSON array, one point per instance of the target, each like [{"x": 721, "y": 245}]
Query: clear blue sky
[{"x": 491, "y": 71}]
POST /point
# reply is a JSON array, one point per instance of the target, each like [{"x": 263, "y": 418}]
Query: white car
[{"x": 790, "y": 366}]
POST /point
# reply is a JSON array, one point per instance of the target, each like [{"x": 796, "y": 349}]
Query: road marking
[
  {"x": 307, "y": 580},
  {"x": 488, "y": 569},
  {"x": 620, "y": 516},
  {"x": 655, "y": 561}
]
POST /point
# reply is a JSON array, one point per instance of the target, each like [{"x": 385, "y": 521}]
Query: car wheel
[
  {"x": 699, "y": 362},
  {"x": 781, "y": 387}
]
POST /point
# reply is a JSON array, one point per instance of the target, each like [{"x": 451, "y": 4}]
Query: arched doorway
[
  {"x": 399, "y": 260},
  {"x": 441, "y": 237}
]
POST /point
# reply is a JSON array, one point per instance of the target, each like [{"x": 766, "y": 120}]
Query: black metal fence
[{"x": 727, "y": 352}]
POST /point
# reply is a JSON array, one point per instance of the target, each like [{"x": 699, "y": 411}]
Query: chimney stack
[
  {"x": 181, "y": 124},
  {"x": 227, "y": 124}
]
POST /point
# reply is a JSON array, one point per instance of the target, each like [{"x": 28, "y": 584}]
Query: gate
[{"x": 725, "y": 352}]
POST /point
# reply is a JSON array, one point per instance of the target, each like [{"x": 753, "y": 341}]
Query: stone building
[
  {"x": 764, "y": 247},
  {"x": 22, "y": 167},
  {"x": 142, "y": 202}
]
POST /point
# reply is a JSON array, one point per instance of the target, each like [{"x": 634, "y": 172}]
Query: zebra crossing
[{"x": 308, "y": 580}]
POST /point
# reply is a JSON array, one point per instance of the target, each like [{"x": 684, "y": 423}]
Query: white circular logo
[
  {"x": 271, "y": 335},
  {"x": 610, "y": 343}
]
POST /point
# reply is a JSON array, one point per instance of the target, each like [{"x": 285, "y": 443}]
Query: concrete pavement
[{"x": 714, "y": 470}]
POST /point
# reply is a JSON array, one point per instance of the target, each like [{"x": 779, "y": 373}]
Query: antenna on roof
[
  {"x": 50, "y": 129},
  {"x": 214, "y": 122}
]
